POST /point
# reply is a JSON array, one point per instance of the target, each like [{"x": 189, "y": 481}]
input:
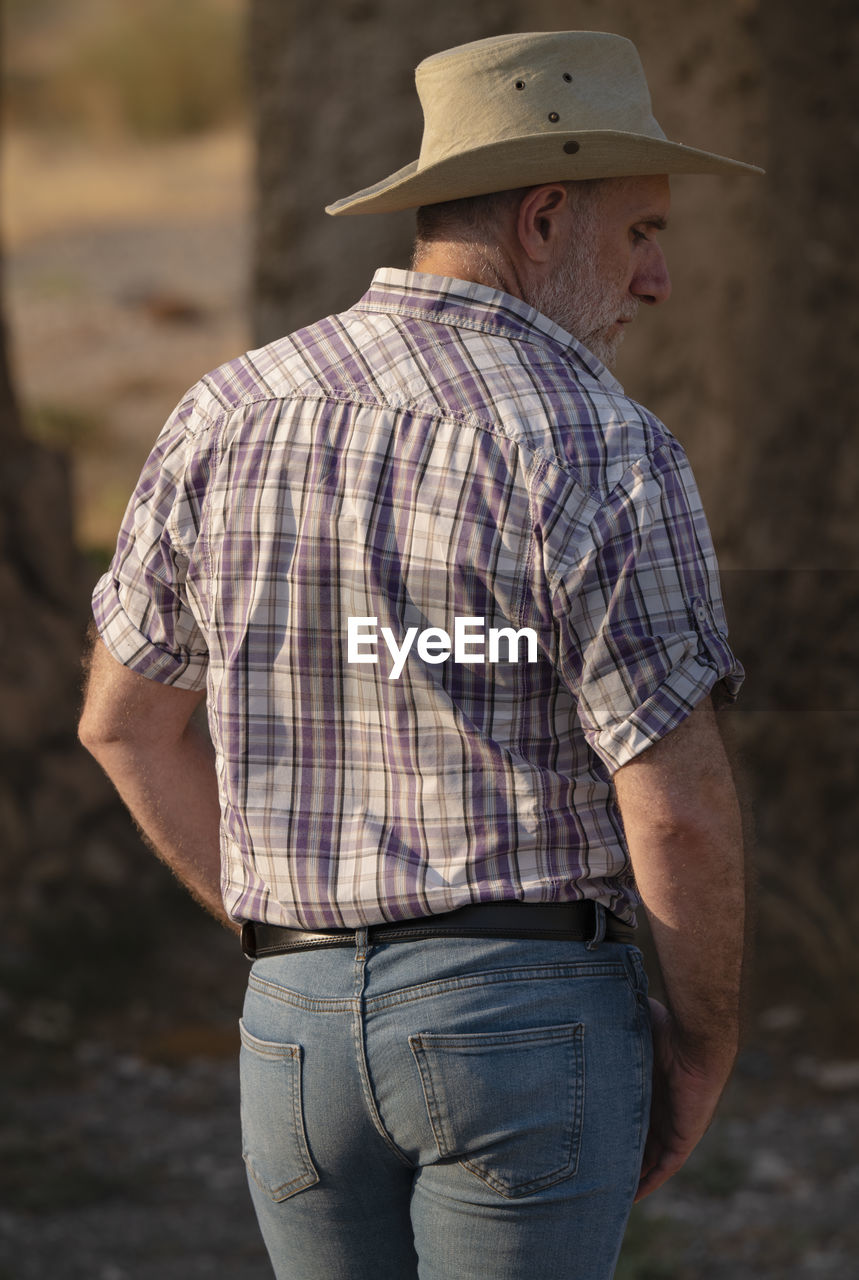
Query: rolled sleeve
[
  {"x": 145, "y": 607},
  {"x": 183, "y": 666},
  {"x": 644, "y": 638}
]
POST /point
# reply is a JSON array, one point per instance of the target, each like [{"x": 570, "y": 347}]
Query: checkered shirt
[{"x": 439, "y": 451}]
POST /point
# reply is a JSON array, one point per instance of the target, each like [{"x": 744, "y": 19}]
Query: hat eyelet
[
  {"x": 570, "y": 148},
  {"x": 520, "y": 84},
  {"x": 568, "y": 77},
  {"x": 554, "y": 117}
]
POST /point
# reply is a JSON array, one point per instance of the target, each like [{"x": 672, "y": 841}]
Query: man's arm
[
  {"x": 162, "y": 764},
  {"x": 683, "y": 830}
]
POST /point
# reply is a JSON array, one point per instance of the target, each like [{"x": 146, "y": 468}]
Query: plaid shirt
[{"x": 439, "y": 452}]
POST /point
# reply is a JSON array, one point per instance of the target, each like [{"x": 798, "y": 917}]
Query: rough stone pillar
[{"x": 795, "y": 506}]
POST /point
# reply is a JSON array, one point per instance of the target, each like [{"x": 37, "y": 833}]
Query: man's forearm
[
  {"x": 691, "y": 880},
  {"x": 144, "y": 736},
  {"x": 172, "y": 793},
  {"x": 684, "y": 834}
]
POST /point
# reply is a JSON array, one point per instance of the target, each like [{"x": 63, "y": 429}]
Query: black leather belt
[{"x": 561, "y": 921}]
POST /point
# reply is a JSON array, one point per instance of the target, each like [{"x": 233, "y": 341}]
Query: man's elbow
[
  {"x": 123, "y": 712},
  {"x": 685, "y": 811},
  {"x": 106, "y": 723},
  {"x": 98, "y": 734},
  {"x": 685, "y": 827}
]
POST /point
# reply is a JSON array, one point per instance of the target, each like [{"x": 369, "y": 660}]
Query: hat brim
[{"x": 528, "y": 161}]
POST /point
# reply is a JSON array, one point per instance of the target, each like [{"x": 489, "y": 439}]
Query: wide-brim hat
[{"x": 519, "y": 110}]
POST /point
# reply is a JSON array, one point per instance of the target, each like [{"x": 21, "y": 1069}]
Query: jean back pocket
[
  {"x": 274, "y": 1143},
  {"x": 507, "y": 1105}
]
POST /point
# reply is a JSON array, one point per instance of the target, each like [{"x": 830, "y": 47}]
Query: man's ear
[{"x": 542, "y": 219}]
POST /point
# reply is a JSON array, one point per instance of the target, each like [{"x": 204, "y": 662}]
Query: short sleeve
[
  {"x": 643, "y": 637},
  {"x": 146, "y": 607}
]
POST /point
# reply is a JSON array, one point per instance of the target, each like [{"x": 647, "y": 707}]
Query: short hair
[
  {"x": 475, "y": 219},
  {"x": 468, "y": 217}
]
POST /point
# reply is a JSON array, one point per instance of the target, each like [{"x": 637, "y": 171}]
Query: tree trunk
[
  {"x": 59, "y": 821},
  {"x": 42, "y": 605}
]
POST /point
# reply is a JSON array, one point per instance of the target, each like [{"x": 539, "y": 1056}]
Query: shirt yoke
[{"x": 494, "y": 377}]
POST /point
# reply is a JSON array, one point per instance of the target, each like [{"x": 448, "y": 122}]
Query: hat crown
[{"x": 520, "y": 85}]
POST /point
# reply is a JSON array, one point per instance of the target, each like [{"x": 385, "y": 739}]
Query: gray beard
[{"x": 577, "y": 300}]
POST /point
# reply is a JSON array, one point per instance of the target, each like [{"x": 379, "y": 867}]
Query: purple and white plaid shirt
[{"x": 434, "y": 466}]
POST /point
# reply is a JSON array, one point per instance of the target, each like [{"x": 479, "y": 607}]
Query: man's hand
[
  {"x": 684, "y": 1101},
  {"x": 683, "y": 830}
]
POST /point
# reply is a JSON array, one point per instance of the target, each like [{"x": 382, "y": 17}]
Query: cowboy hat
[{"x": 519, "y": 110}]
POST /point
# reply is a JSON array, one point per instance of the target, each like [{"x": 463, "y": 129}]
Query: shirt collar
[{"x": 464, "y": 304}]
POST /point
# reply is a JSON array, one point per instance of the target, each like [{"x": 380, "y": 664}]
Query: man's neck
[{"x": 480, "y": 264}]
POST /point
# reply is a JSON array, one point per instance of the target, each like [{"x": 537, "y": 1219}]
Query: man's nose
[{"x": 652, "y": 283}]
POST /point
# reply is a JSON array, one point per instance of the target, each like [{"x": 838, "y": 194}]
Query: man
[{"x": 451, "y": 601}]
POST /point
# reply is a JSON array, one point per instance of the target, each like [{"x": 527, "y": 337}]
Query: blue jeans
[{"x": 448, "y": 1109}]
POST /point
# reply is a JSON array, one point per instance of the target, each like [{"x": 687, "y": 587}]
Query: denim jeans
[{"x": 448, "y": 1109}]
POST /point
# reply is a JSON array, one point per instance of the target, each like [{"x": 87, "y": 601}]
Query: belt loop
[{"x": 599, "y": 929}]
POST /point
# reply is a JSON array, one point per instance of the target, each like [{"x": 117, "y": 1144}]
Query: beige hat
[{"x": 518, "y": 110}]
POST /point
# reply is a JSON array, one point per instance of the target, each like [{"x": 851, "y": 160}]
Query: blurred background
[{"x": 164, "y": 170}]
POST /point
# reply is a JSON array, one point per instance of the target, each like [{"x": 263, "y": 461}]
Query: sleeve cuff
[
  {"x": 682, "y": 690},
  {"x": 136, "y": 651}
]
